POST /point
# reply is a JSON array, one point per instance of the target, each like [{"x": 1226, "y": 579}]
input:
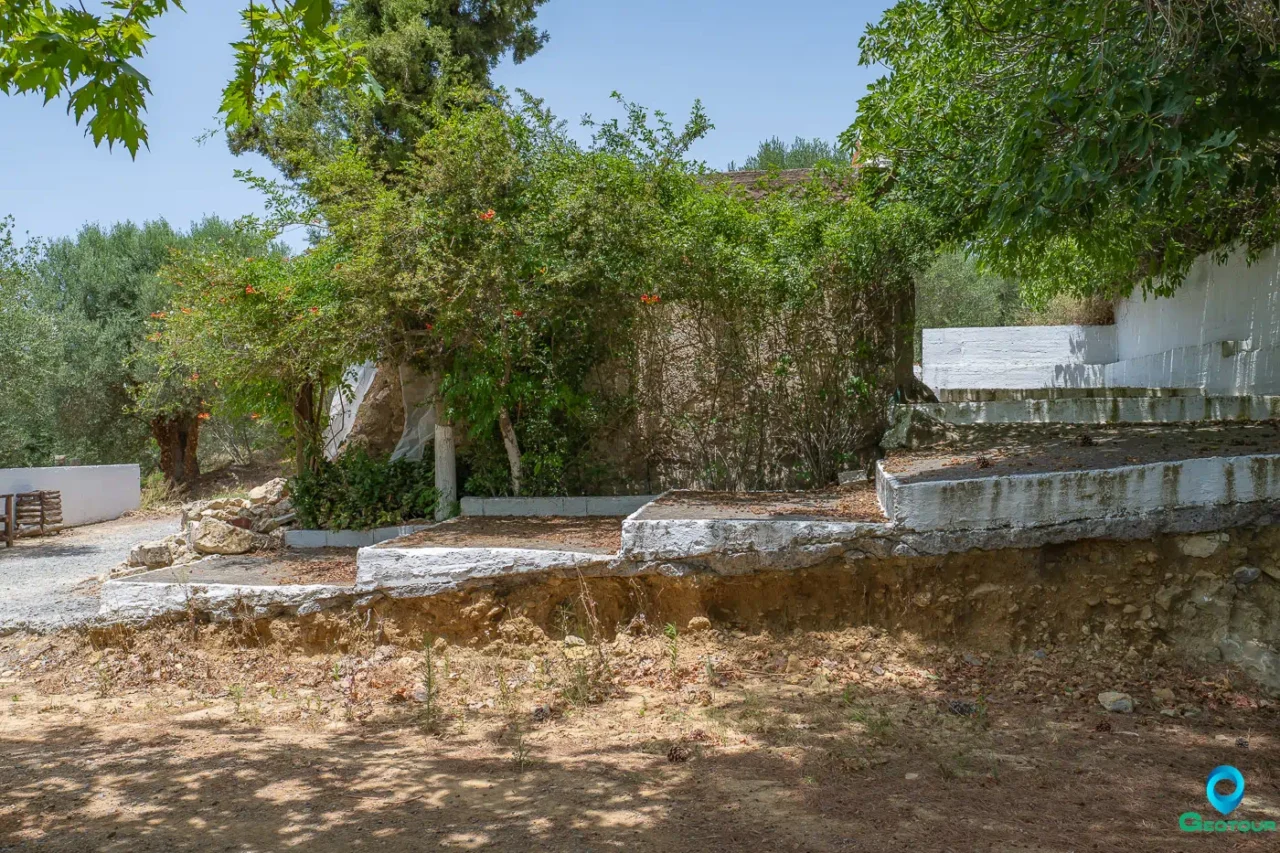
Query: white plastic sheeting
[{"x": 345, "y": 404}]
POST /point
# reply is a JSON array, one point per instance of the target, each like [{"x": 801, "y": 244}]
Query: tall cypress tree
[{"x": 419, "y": 51}]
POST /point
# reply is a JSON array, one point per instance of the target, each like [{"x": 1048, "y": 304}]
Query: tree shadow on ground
[
  {"x": 46, "y": 549},
  {"x": 208, "y": 785}
]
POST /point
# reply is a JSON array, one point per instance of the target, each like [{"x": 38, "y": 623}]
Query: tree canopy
[
  {"x": 90, "y": 56},
  {"x": 568, "y": 299},
  {"x": 30, "y": 357},
  {"x": 82, "y": 369},
  {"x": 1081, "y": 145},
  {"x": 801, "y": 153},
  {"x": 419, "y": 52}
]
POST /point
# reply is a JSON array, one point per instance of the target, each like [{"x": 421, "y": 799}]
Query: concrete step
[
  {"x": 1187, "y": 406},
  {"x": 988, "y": 395},
  {"x": 950, "y": 494}
]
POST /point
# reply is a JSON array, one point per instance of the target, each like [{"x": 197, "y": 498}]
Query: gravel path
[{"x": 51, "y": 583}]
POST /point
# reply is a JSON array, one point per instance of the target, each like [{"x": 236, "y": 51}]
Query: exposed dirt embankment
[{"x": 1212, "y": 598}]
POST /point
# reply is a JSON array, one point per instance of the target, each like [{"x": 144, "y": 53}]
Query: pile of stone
[{"x": 220, "y": 526}]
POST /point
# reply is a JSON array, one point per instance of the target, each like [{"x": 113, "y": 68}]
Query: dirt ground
[
  {"x": 205, "y": 738},
  {"x": 988, "y": 451},
  {"x": 595, "y": 535},
  {"x": 855, "y": 502}
]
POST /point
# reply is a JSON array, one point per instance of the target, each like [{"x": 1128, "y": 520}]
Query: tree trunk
[
  {"x": 178, "y": 437},
  {"x": 512, "y": 444},
  {"x": 906, "y": 387},
  {"x": 904, "y": 343},
  {"x": 446, "y": 465},
  {"x": 306, "y": 428}
]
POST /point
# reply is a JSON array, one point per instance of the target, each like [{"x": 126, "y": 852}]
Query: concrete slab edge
[
  {"x": 126, "y": 601},
  {"x": 1050, "y": 498},
  {"x": 601, "y": 505},
  {"x": 412, "y": 572},
  {"x": 1106, "y": 410}
]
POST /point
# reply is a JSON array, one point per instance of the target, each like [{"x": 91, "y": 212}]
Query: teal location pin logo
[{"x": 1225, "y": 803}]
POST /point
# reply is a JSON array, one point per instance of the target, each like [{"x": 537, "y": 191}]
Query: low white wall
[
  {"x": 89, "y": 492},
  {"x": 606, "y": 505},
  {"x": 1222, "y": 367},
  {"x": 347, "y": 538},
  {"x": 1017, "y": 356}
]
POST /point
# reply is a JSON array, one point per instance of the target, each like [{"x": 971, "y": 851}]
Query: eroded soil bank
[
  {"x": 1211, "y": 598},
  {"x": 931, "y": 704}
]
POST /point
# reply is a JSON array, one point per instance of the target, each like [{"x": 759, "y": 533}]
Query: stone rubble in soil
[{"x": 219, "y": 526}]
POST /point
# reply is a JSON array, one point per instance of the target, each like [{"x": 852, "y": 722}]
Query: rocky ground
[
  {"x": 218, "y": 526},
  {"x": 259, "y": 736}
]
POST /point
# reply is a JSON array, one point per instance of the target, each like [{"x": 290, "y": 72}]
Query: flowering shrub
[
  {"x": 598, "y": 318},
  {"x": 255, "y": 327}
]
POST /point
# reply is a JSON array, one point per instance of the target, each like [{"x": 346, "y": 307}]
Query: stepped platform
[
  {"x": 1042, "y": 475},
  {"x": 987, "y": 488},
  {"x": 969, "y": 407}
]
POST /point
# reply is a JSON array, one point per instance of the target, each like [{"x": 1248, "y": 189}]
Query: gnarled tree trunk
[{"x": 178, "y": 437}]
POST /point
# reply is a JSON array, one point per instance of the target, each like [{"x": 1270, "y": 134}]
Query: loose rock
[
  {"x": 212, "y": 536},
  {"x": 153, "y": 555},
  {"x": 271, "y": 491},
  {"x": 1246, "y": 575},
  {"x": 1115, "y": 702}
]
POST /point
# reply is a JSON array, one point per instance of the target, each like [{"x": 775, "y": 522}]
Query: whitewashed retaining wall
[
  {"x": 1018, "y": 356},
  {"x": 1219, "y": 332},
  {"x": 89, "y": 492},
  {"x": 1234, "y": 301}
]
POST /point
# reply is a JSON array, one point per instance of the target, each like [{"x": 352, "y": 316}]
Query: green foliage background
[
  {"x": 801, "y": 153},
  {"x": 78, "y": 310},
  {"x": 1086, "y": 148},
  {"x": 359, "y": 492}
]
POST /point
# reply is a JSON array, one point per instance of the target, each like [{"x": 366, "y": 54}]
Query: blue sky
[{"x": 760, "y": 70}]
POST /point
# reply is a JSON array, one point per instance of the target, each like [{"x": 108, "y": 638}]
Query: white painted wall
[
  {"x": 89, "y": 492},
  {"x": 1017, "y": 356},
  {"x": 1219, "y": 332},
  {"x": 1234, "y": 301}
]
